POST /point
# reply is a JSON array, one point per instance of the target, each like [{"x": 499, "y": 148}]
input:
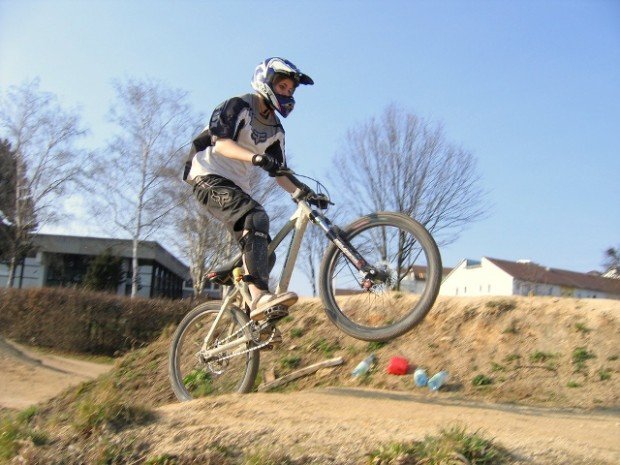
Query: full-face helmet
[{"x": 262, "y": 82}]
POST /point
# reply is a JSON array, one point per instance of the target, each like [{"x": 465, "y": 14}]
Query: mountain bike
[{"x": 378, "y": 278}]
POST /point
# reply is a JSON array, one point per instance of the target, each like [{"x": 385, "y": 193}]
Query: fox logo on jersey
[{"x": 258, "y": 137}]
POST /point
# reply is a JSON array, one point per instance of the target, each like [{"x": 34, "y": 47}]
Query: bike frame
[{"x": 239, "y": 292}]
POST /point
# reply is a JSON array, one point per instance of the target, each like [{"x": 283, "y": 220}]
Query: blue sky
[{"x": 531, "y": 88}]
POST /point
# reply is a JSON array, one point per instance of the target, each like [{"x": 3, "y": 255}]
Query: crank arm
[{"x": 211, "y": 354}]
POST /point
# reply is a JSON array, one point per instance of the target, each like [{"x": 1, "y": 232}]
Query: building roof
[
  {"x": 419, "y": 272},
  {"x": 80, "y": 245},
  {"x": 534, "y": 273}
]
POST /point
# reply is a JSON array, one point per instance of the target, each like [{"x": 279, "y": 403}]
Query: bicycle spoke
[
  {"x": 196, "y": 373},
  {"x": 385, "y": 297}
]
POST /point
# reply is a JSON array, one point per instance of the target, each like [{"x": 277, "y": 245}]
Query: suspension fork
[{"x": 333, "y": 233}]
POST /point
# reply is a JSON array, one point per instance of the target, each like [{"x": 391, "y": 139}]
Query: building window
[{"x": 66, "y": 269}]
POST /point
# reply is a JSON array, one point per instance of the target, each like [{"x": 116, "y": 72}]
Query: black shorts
[{"x": 226, "y": 201}]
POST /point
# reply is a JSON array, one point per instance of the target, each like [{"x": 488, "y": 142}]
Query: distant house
[
  {"x": 491, "y": 276},
  {"x": 59, "y": 260}
]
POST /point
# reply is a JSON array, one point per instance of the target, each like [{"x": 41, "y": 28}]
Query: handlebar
[{"x": 303, "y": 192}]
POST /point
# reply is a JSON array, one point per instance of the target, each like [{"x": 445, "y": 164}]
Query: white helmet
[{"x": 262, "y": 82}]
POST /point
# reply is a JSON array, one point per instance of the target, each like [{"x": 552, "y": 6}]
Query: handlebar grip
[{"x": 289, "y": 174}]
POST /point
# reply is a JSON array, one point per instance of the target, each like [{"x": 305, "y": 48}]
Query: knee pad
[
  {"x": 257, "y": 221},
  {"x": 254, "y": 246}
]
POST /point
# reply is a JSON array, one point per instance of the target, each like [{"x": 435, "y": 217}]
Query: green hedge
[{"x": 85, "y": 321}]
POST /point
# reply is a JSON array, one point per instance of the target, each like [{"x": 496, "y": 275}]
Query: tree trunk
[
  {"x": 12, "y": 266},
  {"x": 134, "y": 267}
]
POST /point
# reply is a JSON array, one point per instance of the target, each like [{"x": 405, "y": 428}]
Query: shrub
[{"x": 77, "y": 320}]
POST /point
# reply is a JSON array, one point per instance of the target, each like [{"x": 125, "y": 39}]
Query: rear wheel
[
  {"x": 191, "y": 376},
  {"x": 399, "y": 291}
]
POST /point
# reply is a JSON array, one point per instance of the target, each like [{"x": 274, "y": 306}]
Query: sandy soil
[
  {"x": 339, "y": 425},
  {"x": 30, "y": 377}
]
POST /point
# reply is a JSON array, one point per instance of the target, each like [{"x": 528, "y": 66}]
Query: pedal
[{"x": 275, "y": 313}]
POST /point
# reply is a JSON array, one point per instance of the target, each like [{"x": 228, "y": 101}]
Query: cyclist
[{"x": 244, "y": 132}]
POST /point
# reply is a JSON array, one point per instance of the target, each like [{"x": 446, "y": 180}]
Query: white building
[
  {"x": 491, "y": 276},
  {"x": 415, "y": 281}
]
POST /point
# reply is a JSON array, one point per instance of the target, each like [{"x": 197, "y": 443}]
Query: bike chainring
[{"x": 219, "y": 364}]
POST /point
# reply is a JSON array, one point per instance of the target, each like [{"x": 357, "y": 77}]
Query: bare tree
[
  {"x": 42, "y": 136},
  {"x": 202, "y": 240},
  {"x": 612, "y": 261},
  {"x": 153, "y": 121},
  {"x": 310, "y": 254},
  {"x": 315, "y": 242},
  {"x": 400, "y": 162}
]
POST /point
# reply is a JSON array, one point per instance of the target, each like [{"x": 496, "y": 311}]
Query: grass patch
[
  {"x": 512, "y": 358},
  {"x": 17, "y": 428},
  {"x": 511, "y": 328},
  {"x": 164, "y": 459},
  {"x": 290, "y": 362},
  {"x": 540, "y": 356},
  {"x": 582, "y": 328},
  {"x": 266, "y": 457},
  {"x": 580, "y": 356},
  {"x": 113, "y": 413},
  {"x": 326, "y": 347},
  {"x": 612, "y": 358},
  {"x": 376, "y": 345},
  {"x": 604, "y": 374},
  {"x": 501, "y": 305},
  {"x": 452, "y": 445},
  {"x": 481, "y": 380},
  {"x": 198, "y": 383},
  {"x": 573, "y": 384},
  {"x": 497, "y": 367},
  {"x": 297, "y": 332}
]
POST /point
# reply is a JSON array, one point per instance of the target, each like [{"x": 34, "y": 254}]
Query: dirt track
[
  {"x": 29, "y": 377},
  {"x": 337, "y": 425},
  {"x": 334, "y": 425}
]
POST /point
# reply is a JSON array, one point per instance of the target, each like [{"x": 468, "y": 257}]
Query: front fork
[{"x": 370, "y": 275}]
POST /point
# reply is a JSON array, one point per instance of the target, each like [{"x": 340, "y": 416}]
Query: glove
[{"x": 267, "y": 162}]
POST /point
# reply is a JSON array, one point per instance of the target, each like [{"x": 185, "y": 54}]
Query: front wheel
[
  {"x": 402, "y": 287},
  {"x": 234, "y": 370}
]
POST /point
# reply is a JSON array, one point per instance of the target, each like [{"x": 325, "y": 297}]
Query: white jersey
[{"x": 238, "y": 119}]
